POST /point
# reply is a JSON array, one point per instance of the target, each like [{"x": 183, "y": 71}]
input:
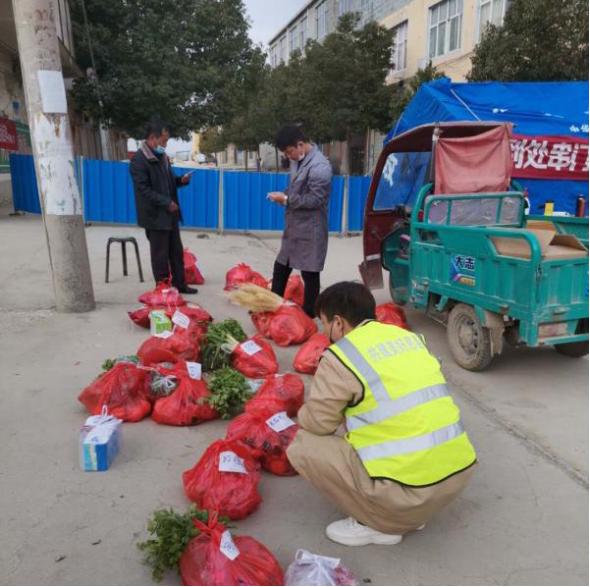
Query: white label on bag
[
  {"x": 250, "y": 347},
  {"x": 194, "y": 370},
  {"x": 230, "y": 462},
  {"x": 181, "y": 319},
  {"x": 164, "y": 334},
  {"x": 255, "y": 384},
  {"x": 280, "y": 422},
  {"x": 227, "y": 546}
]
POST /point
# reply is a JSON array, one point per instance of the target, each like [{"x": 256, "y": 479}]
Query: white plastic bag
[{"x": 314, "y": 569}]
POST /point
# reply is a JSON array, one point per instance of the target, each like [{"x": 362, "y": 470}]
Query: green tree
[
  {"x": 184, "y": 61},
  {"x": 342, "y": 89},
  {"x": 541, "y": 40},
  {"x": 212, "y": 141},
  {"x": 404, "y": 93}
]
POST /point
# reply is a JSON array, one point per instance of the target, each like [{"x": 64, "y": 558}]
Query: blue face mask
[{"x": 160, "y": 150}]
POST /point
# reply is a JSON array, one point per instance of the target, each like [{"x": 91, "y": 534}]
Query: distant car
[{"x": 201, "y": 158}]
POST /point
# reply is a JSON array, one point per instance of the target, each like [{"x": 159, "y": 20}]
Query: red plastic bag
[
  {"x": 268, "y": 432},
  {"x": 391, "y": 314},
  {"x": 192, "y": 274},
  {"x": 122, "y": 390},
  {"x": 181, "y": 344},
  {"x": 279, "y": 393},
  {"x": 215, "y": 557},
  {"x": 261, "y": 321},
  {"x": 243, "y": 273},
  {"x": 141, "y": 316},
  {"x": 225, "y": 480},
  {"x": 255, "y": 358},
  {"x": 308, "y": 357},
  {"x": 186, "y": 405},
  {"x": 295, "y": 290},
  {"x": 162, "y": 295},
  {"x": 290, "y": 325}
]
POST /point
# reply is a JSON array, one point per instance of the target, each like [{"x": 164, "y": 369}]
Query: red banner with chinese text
[
  {"x": 8, "y": 136},
  {"x": 543, "y": 157}
]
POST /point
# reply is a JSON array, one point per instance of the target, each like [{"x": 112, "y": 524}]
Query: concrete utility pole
[{"x": 38, "y": 48}]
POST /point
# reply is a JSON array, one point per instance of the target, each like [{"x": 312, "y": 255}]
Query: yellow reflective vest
[{"x": 406, "y": 427}]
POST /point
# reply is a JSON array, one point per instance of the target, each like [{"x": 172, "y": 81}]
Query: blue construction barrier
[
  {"x": 108, "y": 196},
  {"x": 25, "y": 195}
]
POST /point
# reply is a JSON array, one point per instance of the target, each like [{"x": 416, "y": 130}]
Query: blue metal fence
[{"x": 108, "y": 196}]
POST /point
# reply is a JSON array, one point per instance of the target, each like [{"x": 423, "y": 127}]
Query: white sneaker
[{"x": 350, "y": 533}]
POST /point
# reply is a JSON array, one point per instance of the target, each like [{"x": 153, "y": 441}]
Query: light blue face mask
[{"x": 160, "y": 150}]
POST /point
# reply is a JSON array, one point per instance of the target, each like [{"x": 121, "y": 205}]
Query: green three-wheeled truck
[{"x": 474, "y": 261}]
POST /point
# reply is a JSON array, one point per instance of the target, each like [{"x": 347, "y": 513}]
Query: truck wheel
[
  {"x": 469, "y": 340},
  {"x": 573, "y": 349}
]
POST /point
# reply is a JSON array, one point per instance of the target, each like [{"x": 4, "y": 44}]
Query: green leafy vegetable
[
  {"x": 215, "y": 356},
  {"x": 229, "y": 392},
  {"x": 110, "y": 363}
]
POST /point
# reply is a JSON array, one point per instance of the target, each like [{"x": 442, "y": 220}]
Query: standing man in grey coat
[{"x": 305, "y": 240}]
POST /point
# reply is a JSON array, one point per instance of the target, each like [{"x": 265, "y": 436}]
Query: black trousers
[
  {"x": 166, "y": 255},
  {"x": 311, "y": 280}
]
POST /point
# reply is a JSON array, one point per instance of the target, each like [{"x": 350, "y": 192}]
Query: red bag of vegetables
[
  {"x": 243, "y": 273},
  {"x": 261, "y": 321},
  {"x": 187, "y": 404},
  {"x": 295, "y": 290},
  {"x": 290, "y": 325},
  {"x": 308, "y": 357},
  {"x": 391, "y": 314},
  {"x": 215, "y": 557},
  {"x": 269, "y": 433},
  {"x": 279, "y": 393},
  {"x": 225, "y": 480},
  {"x": 122, "y": 390},
  {"x": 254, "y": 358},
  {"x": 192, "y": 273},
  {"x": 180, "y": 344},
  {"x": 163, "y": 295},
  {"x": 194, "y": 312}
]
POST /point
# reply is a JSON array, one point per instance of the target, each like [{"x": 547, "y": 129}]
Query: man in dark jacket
[
  {"x": 305, "y": 239},
  {"x": 158, "y": 210}
]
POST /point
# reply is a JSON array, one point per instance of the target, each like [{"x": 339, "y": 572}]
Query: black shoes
[{"x": 188, "y": 290}]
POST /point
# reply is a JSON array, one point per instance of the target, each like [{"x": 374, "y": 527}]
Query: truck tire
[
  {"x": 573, "y": 349},
  {"x": 470, "y": 342}
]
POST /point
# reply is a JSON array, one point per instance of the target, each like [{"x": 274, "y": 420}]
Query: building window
[
  {"x": 491, "y": 12},
  {"x": 321, "y": 19},
  {"x": 344, "y": 6},
  {"x": 302, "y": 32},
  {"x": 400, "y": 47},
  {"x": 445, "y": 27},
  {"x": 293, "y": 39},
  {"x": 283, "y": 49},
  {"x": 274, "y": 56}
]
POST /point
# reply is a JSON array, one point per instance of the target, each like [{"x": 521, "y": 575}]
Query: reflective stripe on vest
[{"x": 393, "y": 448}]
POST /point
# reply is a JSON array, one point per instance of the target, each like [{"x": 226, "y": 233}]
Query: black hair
[
  {"x": 155, "y": 127},
  {"x": 289, "y": 136},
  {"x": 349, "y": 299}
]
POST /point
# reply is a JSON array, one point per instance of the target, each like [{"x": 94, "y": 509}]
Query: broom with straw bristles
[{"x": 255, "y": 298}]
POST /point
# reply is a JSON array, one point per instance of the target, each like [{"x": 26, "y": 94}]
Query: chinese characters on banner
[
  {"x": 8, "y": 136},
  {"x": 549, "y": 157}
]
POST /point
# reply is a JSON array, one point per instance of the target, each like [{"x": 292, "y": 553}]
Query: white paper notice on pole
[
  {"x": 280, "y": 422},
  {"x": 53, "y": 92},
  {"x": 230, "y": 462},
  {"x": 227, "y": 546},
  {"x": 194, "y": 370},
  {"x": 181, "y": 319}
]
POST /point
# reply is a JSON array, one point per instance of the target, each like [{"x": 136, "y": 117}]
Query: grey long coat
[{"x": 305, "y": 240}]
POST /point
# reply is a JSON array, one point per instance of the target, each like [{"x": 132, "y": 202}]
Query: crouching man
[{"x": 405, "y": 454}]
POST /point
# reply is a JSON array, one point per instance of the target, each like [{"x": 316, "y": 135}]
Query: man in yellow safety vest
[{"x": 405, "y": 454}]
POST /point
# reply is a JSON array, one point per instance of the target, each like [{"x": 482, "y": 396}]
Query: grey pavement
[{"x": 522, "y": 521}]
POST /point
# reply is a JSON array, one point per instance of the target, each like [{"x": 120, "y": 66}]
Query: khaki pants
[{"x": 332, "y": 466}]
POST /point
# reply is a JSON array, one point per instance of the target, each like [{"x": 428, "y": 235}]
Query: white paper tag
[
  {"x": 279, "y": 422},
  {"x": 227, "y": 546},
  {"x": 181, "y": 319},
  {"x": 255, "y": 384},
  {"x": 194, "y": 370},
  {"x": 250, "y": 347},
  {"x": 230, "y": 462},
  {"x": 164, "y": 334}
]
